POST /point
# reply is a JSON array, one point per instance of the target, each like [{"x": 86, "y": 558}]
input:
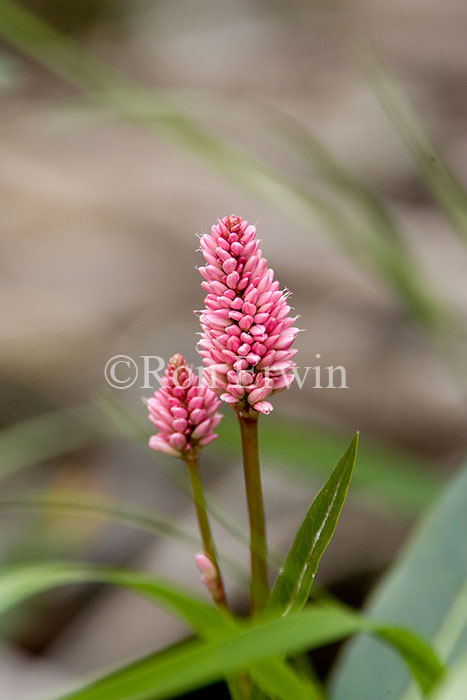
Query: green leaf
[
  {"x": 197, "y": 664},
  {"x": 293, "y": 585},
  {"x": 425, "y": 590},
  {"x": 231, "y": 645},
  {"x": 20, "y": 582}
]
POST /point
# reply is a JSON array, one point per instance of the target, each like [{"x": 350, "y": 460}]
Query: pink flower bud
[{"x": 209, "y": 575}]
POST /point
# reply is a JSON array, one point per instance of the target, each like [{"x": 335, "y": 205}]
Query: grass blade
[
  {"x": 438, "y": 176},
  {"x": 90, "y": 505},
  {"x": 49, "y": 435}
]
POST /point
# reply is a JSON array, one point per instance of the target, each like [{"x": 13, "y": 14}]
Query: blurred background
[{"x": 126, "y": 129}]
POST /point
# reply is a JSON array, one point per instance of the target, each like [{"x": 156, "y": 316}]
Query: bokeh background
[{"x": 279, "y": 112}]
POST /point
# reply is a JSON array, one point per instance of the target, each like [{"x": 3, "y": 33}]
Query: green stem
[
  {"x": 258, "y": 545},
  {"x": 204, "y": 526},
  {"x": 239, "y": 684}
]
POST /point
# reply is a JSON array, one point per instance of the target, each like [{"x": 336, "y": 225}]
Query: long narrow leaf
[
  {"x": 20, "y": 582},
  {"x": 293, "y": 585},
  {"x": 234, "y": 646},
  {"x": 198, "y": 664}
]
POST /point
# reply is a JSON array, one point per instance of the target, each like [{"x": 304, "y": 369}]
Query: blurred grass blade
[
  {"x": 293, "y": 585},
  {"x": 426, "y": 590},
  {"x": 58, "y": 432},
  {"x": 438, "y": 176},
  {"x": 49, "y": 435},
  {"x": 134, "y": 426},
  {"x": 194, "y": 665},
  {"x": 90, "y": 505},
  {"x": 386, "y": 477},
  {"x": 124, "y": 418},
  {"x": 65, "y": 58},
  {"x": 380, "y": 234},
  {"x": 314, "y": 153},
  {"x": 20, "y": 582}
]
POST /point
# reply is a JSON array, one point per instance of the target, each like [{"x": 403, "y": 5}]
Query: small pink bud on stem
[{"x": 210, "y": 577}]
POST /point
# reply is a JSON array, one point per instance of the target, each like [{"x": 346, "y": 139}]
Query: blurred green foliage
[
  {"x": 426, "y": 589},
  {"x": 76, "y": 16}
]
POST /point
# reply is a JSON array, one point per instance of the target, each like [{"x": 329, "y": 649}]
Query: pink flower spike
[
  {"x": 246, "y": 321},
  {"x": 184, "y": 411}
]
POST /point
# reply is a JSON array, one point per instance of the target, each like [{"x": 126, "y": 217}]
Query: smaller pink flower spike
[
  {"x": 209, "y": 575},
  {"x": 248, "y": 330},
  {"x": 184, "y": 411}
]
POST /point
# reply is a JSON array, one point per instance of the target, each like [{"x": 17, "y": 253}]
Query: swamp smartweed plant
[{"x": 246, "y": 343}]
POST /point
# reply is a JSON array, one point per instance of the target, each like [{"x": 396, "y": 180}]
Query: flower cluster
[
  {"x": 247, "y": 330},
  {"x": 184, "y": 411}
]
